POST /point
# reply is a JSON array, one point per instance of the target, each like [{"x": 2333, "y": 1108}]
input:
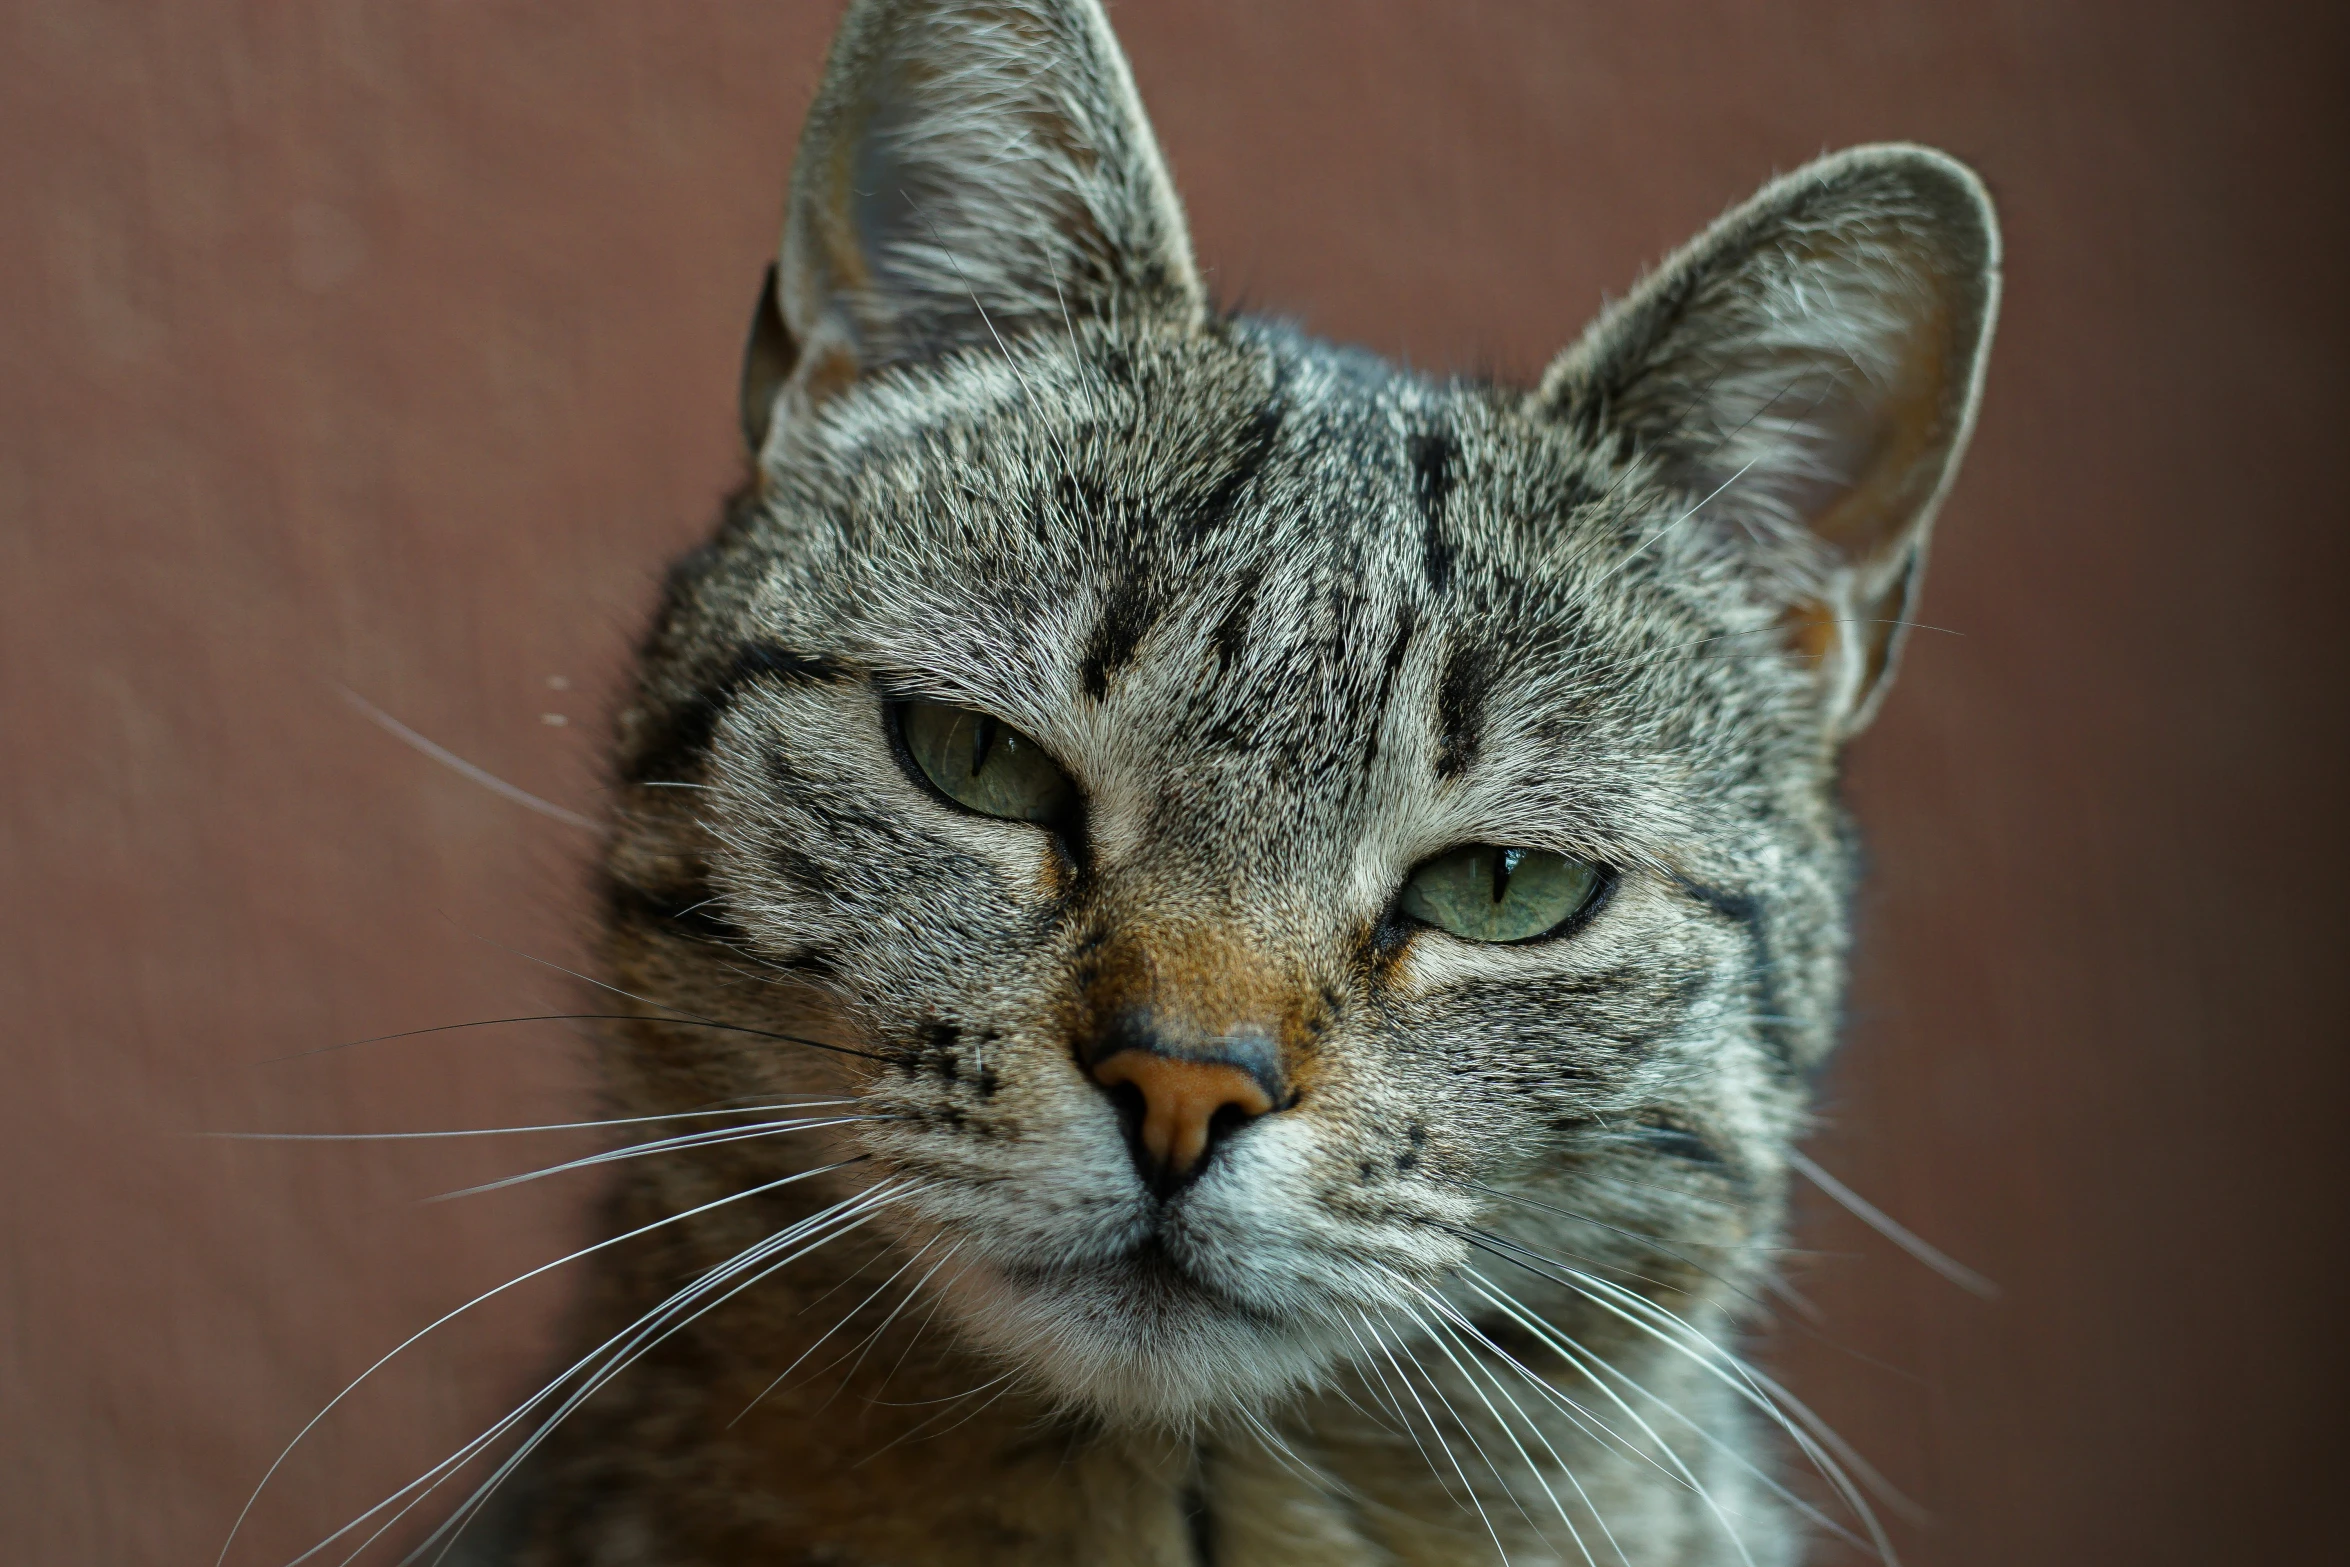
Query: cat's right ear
[{"x": 971, "y": 169}]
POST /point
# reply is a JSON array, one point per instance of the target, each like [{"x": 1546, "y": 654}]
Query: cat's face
[{"x": 1407, "y": 829}]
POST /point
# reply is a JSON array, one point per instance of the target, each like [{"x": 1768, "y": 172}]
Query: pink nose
[{"x": 1181, "y": 1100}]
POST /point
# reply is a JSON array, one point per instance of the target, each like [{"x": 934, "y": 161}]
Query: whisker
[
  {"x": 1489, "y": 1238},
  {"x": 846, "y": 1317},
  {"x": 1892, "y": 1229},
  {"x": 1568, "y": 1406},
  {"x": 1678, "y": 1193},
  {"x": 1060, "y": 450},
  {"x": 838, "y": 1221},
  {"x": 1002, "y": 1385},
  {"x": 649, "y": 1331},
  {"x": 1584, "y": 1420},
  {"x": 465, "y": 769},
  {"x": 663, "y": 1006},
  {"x": 1654, "y": 1242},
  {"x": 279, "y": 1462},
  {"x": 1743, "y": 1380},
  {"x": 1771, "y": 1284},
  {"x": 1445, "y": 1348},
  {"x": 1598, "y": 1364},
  {"x": 729, "y": 1134},
  {"x": 1758, "y": 1386},
  {"x": 1589, "y": 1364},
  {"x": 514, "y": 1131},
  {"x": 1510, "y": 1431},
  {"x": 1403, "y": 1418},
  {"x": 1446, "y": 1447},
  {"x": 1641, "y": 548},
  {"x": 937, "y": 1303},
  {"x": 1288, "y": 1457},
  {"x": 1574, "y": 1354},
  {"x": 913, "y": 1293},
  {"x": 576, "y": 1017}
]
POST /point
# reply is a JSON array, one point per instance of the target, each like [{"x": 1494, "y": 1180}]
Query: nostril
[
  {"x": 1228, "y": 1119},
  {"x": 1126, "y": 1099}
]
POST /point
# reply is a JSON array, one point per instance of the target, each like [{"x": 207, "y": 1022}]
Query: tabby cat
[{"x": 1235, "y": 936}]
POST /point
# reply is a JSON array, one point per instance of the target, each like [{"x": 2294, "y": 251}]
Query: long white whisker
[
  {"x": 1641, "y": 548},
  {"x": 1736, "y": 1375},
  {"x": 1402, "y": 1418},
  {"x": 1893, "y": 1229},
  {"x": 840, "y": 1221},
  {"x": 1438, "y": 1433},
  {"x": 1457, "y": 1324},
  {"x": 913, "y": 1293},
  {"x": 1584, "y": 1420},
  {"x": 1288, "y": 1457},
  {"x": 1751, "y": 1384},
  {"x": 1574, "y": 1354},
  {"x": 428, "y": 1480},
  {"x": 1728, "y": 1450},
  {"x": 465, "y": 769},
  {"x": 845, "y": 1319},
  {"x": 1440, "y": 1338},
  {"x": 515, "y": 1131},
  {"x": 1597, "y": 1364},
  {"x": 1750, "y": 419},
  {"x": 937, "y": 1303},
  {"x": 729, "y": 1134},
  {"x": 279, "y": 1461},
  {"x": 675, "y": 1013}
]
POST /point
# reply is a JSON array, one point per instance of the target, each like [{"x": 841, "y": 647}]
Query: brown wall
[{"x": 392, "y": 345}]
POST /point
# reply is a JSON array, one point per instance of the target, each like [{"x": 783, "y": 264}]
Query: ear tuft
[
  {"x": 1808, "y": 369},
  {"x": 974, "y": 167}
]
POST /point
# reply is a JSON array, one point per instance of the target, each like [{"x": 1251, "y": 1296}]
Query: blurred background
[{"x": 390, "y": 347}]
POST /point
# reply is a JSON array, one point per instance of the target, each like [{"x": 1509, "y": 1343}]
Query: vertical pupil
[
  {"x": 1505, "y": 865},
  {"x": 982, "y": 741}
]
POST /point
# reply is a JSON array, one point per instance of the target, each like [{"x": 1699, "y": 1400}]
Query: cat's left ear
[
  {"x": 1805, "y": 373},
  {"x": 971, "y": 170}
]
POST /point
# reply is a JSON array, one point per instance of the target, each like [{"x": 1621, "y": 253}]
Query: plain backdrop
[{"x": 390, "y": 348}]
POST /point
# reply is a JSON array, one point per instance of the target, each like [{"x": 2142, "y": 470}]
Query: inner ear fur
[
  {"x": 1808, "y": 369},
  {"x": 971, "y": 169},
  {"x": 768, "y": 357}
]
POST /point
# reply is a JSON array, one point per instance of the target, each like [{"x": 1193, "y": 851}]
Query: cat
[{"x": 1234, "y": 937}]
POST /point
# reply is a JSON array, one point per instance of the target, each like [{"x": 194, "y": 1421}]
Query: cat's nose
[{"x": 1180, "y": 1101}]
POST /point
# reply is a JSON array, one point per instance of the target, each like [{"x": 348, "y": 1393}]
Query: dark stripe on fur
[
  {"x": 1125, "y": 619},
  {"x": 1255, "y": 445},
  {"x": 1200, "y": 1523},
  {"x": 683, "y": 734},
  {"x": 1404, "y": 626},
  {"x": 1662, "y": 1134},
  {"x": 1432, "y": 458},
  {"x": 685, "y": 909},
  {"x": 1231, "y": 633},
  {"x": 1745, "y": 911},
  {"x": 1460, "y": 710}
]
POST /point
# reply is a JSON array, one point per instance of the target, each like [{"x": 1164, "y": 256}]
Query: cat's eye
[
  {"x": 983, "y": 764},
  {"x": 1484, "y": 892}
]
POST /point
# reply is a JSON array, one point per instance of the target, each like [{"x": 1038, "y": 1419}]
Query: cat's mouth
[
  {"x": 1149, "y": 1272},
  {"x": 1145, "y": 1335}
]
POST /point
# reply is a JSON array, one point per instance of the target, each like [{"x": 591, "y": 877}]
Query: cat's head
[{"x": 1283, "y": 831}]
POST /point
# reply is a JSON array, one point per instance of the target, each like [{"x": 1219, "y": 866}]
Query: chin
[{"x": 1140, "y": 1343}]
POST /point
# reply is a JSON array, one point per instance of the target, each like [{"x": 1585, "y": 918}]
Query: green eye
[
  {"x": 984, "y": 764},
  {"x": 1487, "y": 893}
]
